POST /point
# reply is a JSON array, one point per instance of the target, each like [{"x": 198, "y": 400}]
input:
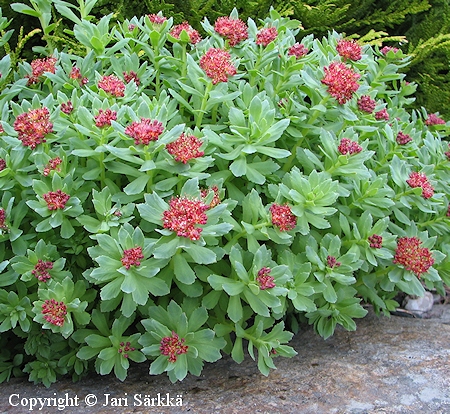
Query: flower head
[
  {"x": 75, "y": 73},
  {"x": 52, "y": 165},
  {"x": 282, "y": 217},
  {"x": 417, "y": 179},
  {"x": 39, "y": 67},
  {"x": 41, "y": 269},
  {"x": 216, "y": 198},
  {"x": 403, "y": 138},
  {"x": 185, "y": 148},
  {"x": 382, "y": 114},
  {"x": 433, "y": 119},
  {"x": 145, "y": 131},
  {"x": 266, "y": 35},
  {"x": 217, "y": 65},
  {"x": 54, "y": 312},
  {"x": 67, "y": 107},
  {"x": 298, "y": 50},
  {"x": 105, "y": 117},
  {"x": 112, "y": 85},
  {"x": 349, "y": 147},
  {"x": 387, "y": 49},
  {"x": 124, "y": 348},
  {"x": 156, "y": 19},
  {"x": 56, "y": 199},
  {"x": 3, "y": 225},
  {"x": 183, "y": 215},
  {"x": 132, "y": 257},
  {"x": 131, "y": 76},
  {"x": 194, "y": 36},
  {"x": 2, "y": 164},
  {"x": 33, "y": 126},
  {"x": 375, "y": 241},
  {"x": 264, "y": 279},
  {"x": 332, "y": 262},
  {"x": 172, "y": 346},
  {"x": 412, "y": 256},
  {"x": 366, "y": 104},
  {"x": 234, "y": 30},
  {"x": 341, "y": 81},
  {"x": 349, "y": 49}
]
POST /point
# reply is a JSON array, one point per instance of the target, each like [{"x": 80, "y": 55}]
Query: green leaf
[
  {"x": 22, "y": 8},
  {"x": 239, "y": 167},
  {"x": 200, "y": 254},
  {"x": 137, "y": 185},
  {"x": 183, "y": 272},
  {"x": 234, "y": 310}
]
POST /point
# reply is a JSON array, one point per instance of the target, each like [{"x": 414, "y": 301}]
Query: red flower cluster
[
  {"x": 282, "y": 217},
  {"x": 104, "y": 118},
  {"x": 366, "y": 104},
  {"x": 145, "y": 131},
  {"x": 112, "y": 85},
  {"x": 2, "y": 164},
  {"x": 341, "y": 81},
  {"x": 216, "y": 198},
  {"x": 349, "y": 49},
  {"x": 375, "y": 241},
  {"x": 234, "y": 30},
  {"x": 447, "y": 153},
  {"x": 349, "y": 147},
  {"x": 132, "y": 257},
  {"x": 417, "y": 179},
  {"x": 52, "y": 165},
  {"x": 332, "y": 262},
  {"x": 194, "y": 36},
  {"x": 155, "y": 19},
  {"x": 131, "y": 76},
  {"x": 403, "y": 139},
  {"x": 185, "y": 148},
  {"x": 413, "y": 257},
  {"x": 33, "y": 126},
  {"x": 125, "y": 348},
  {"x": 266, "y": 35},
  {"x": 39, "y": 67},
  {"x": 298, "y": 50},
  {"x": 387, "y": 49},
  {"x": 383, "y": 114},
  {"x": 54, "y": 312},
  {"x": 183, "y": 215},
  {"x": 75, "y": 73},
  {"x": 40, "y": 270},
  {"x": 56, "y": 199},
  {"x": 217, "y": 65},
  {"x": 433, "y": 119},
  {"x": 172, "y": 346},
  {"x": 3, "y": 225},
  {"x": 67, "y": 107},
  {"x": 264, "y": 279}
]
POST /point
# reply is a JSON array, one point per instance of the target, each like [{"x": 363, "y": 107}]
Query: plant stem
[{"x": 202, "y": 111}]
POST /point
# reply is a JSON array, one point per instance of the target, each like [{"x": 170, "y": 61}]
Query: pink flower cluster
[
  {"x": 266, "y": 35},
  {"x": 39, "y": 67},
  {"x": 112, "y": 85},
  {"x": 183, "y": 215},
  {"x": 172, "y": 346},
  {"x": 417, "y": 179},
  {"x": 298, "y": 50},
  {"x": 412, "y": 256},
  {"x": 217, "y": 65},
  {"x": 41, "y": 269},
  {"x": 132, "y": 257},
  {"x": 105, "y": 117},
  {"x": 447, "y": 153},
  {"x": 75, "y": 73},
  {"x": 124, "y": 348},
  {"x": 366, "y": 104},
  {"x": 341, "y": 81},
  {"x": 155, "y": 19},
  {"x": 185, "y": 148},
  {"x": 349, "y": 49},
  {"x": 376, "y": 241},
  {"x": 282, "y": 217},
  {"x": 349, "y": 147},
  {"x": 145, "y": 131},
  {"x": 67, "y": 107},
  {"x": 3, "y": 225},
  {"x": 194, "y": 35},
  {"x": 216, "y": 198},
  {"x": 33, "y": 126},
  {"x": 403, "y": 138},
  {"x": 382, "y": 114},
  {"x": 52, "y": 165},
  {"x": 332, "y": 262},
  {"x": 264, "y": 279},
  {"x": 54, "y": 312},
  {"x": 2, "y": 164},
  {"x": 386, "y": 49},
  {"x": 56, "y": 199},
  {"x": 234, "y": 30},
  {"x": 131, "y": 76},
  {"x": 433, "y": 119}
]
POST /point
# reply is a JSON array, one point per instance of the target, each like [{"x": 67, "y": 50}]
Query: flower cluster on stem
[
  {"x": 145, "y": 131},
  {"x": 39, "y": 67},
  {"x": 124, "y": 348},
  {"x": 264, "y": 279},
  {"x": 417, "y": 179},
  {"x": 376, "y": 241},
  {"x": 412, "y": 256},
  {"x": 193, "y": 34},
  {"x": 132, "y": 257},
  {"x": 41, "y": 269},
  {"x": 282, "y": 217},
  {"x": 298, "y": 50},
  {"x": 349, "y": 49},
  {"x": 112, "y": 85},
  {"x": 266, "y": 35},
  {"x": 217, "y": 65},
  {"x": 341, "y": 81},
  {"x": 332, "y": 262},
  {"x": 234, "y": 30},
  {"x": 56, "y": 199},
  {"x": 349, "y": 147},
  {"x": 105, "y": 117},
  {"x": 185, "y": 148},
  {"x": 33, "y": 126},
  {"x": 54, "y": 312},
  {"x": 366, "y": 104},
  {"x": 403, "y": 138},
  {"x": 172, "y": 346},
  {"x": 433, "y": 119}
]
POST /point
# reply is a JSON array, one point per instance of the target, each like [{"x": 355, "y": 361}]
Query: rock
[{"x": 419, "y": 304}]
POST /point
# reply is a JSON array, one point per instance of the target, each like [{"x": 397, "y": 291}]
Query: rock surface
[{"x": 389, "y": 365}]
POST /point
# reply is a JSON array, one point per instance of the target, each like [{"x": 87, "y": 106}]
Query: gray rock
[{"x": 419, "y": 304}]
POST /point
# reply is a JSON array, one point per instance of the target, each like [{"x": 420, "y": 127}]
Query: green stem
[
  {"x": 236, "y": 237},
  {"x": 202, "y": 111}
]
